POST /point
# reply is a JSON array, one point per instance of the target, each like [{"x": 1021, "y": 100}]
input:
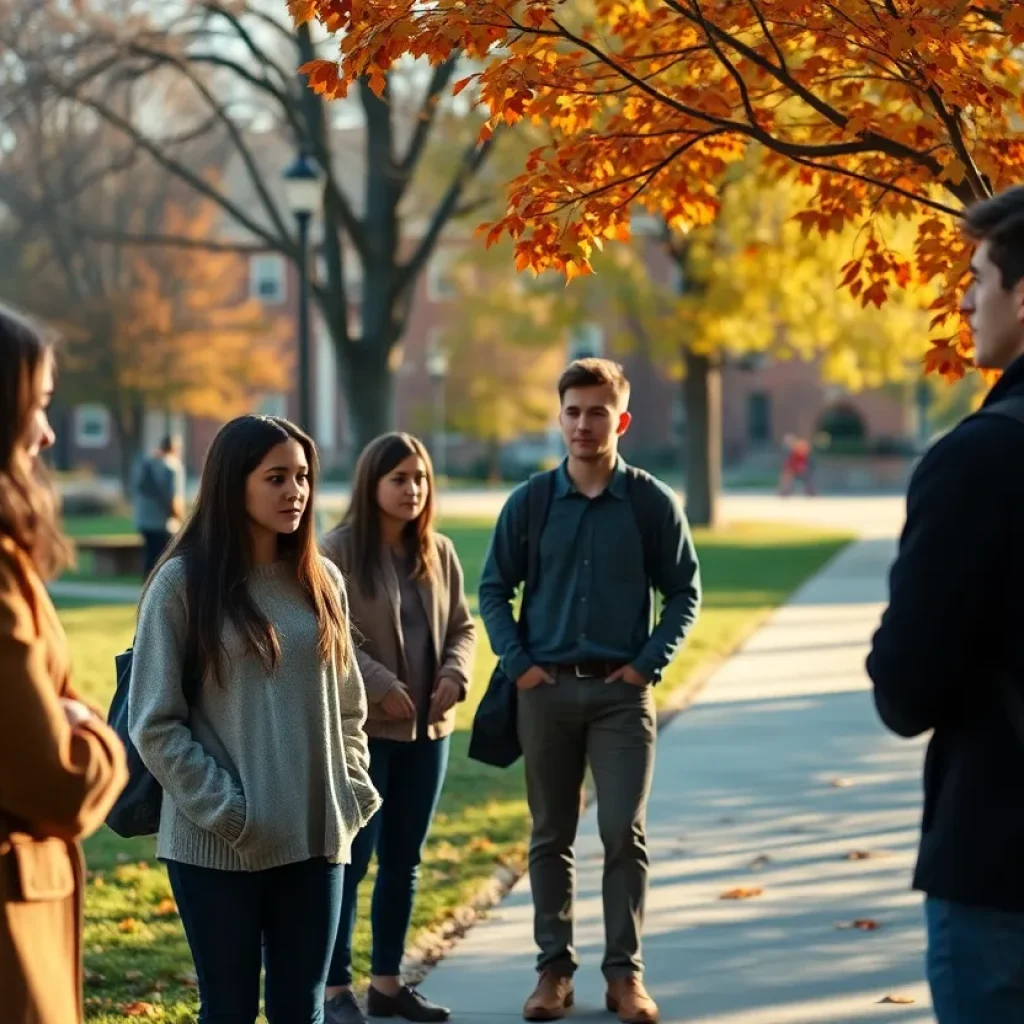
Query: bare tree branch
[
  {"x": 428, "y": 114},
  {"x": 473, "y": 160}
]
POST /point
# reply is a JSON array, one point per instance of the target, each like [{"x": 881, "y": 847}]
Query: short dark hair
[
  {"x": 593, "y": 373},
  {"x": 1000, "y": 222},
  {"x": 167, "y": 443}
]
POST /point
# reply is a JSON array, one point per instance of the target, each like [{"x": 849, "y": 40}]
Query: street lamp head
[
  {"x": 437, "y": 364},
  {"x": 303, "y": 185}
]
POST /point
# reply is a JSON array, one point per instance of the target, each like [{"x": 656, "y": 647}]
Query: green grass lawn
[{"x": 136, "y": 957}]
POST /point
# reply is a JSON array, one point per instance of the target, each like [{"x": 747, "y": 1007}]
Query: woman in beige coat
[
  {"x": 61, "y": 768},
  {"x": 416, "y": 645}
]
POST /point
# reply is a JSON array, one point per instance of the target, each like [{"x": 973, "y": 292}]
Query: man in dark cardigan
[{"x": 949, "y": 654}]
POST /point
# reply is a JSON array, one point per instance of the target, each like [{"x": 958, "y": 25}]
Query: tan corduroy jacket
[
  {"x": 377, "y": 631},
  {"x": 56, "y": 786}
]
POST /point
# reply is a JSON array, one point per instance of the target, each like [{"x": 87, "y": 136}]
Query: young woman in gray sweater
[{"x": 265, "y": 771}]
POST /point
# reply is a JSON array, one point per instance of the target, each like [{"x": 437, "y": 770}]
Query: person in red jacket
[{"x": 797, "y": 466}]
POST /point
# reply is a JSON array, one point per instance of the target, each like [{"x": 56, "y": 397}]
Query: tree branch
[
  {"x": 159, "y": 241},
  {"x": 473, "y": 160},
  {"x": 196, "y": 182},
  {"x": 425, "y": 121},
  {"x": 220, "y": 112}
]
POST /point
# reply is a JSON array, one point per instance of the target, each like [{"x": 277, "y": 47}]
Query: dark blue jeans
[
  {"x": 234, "y": 920},
  {"x": 408, "y": 777},
  {"x": 975, "y": 963}
]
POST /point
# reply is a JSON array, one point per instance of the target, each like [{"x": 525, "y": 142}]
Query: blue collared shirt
[{"x": 592, "y": 600}]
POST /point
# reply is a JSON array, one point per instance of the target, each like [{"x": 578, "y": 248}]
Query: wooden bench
[{"x": 112, "y": 556}]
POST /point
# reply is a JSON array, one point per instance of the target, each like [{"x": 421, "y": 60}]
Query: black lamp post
[
  {"x": 437, "y": 369},
  {"x": 303, "y": 193}
]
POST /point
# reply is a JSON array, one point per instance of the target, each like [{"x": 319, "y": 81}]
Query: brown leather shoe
[
  {"x": 552, "y": 997},
  {"x": 629, "y": 999}
]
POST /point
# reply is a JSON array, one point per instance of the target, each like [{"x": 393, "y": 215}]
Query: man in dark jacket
[{"x": 949, "y": 654}]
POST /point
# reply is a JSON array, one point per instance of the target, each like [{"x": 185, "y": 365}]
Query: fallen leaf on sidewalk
[
  {"x": 759, "y": 863},
  {"x": 742, "y": 893},
  {"x": 899, "y": 1000},
  {"x": 841, "y": 783},
  {"x": 864, "y": 924},
  {"x": 859, "y": 855}
]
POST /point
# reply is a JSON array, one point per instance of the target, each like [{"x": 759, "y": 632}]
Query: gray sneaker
[{"x": 343, "y": 1009}]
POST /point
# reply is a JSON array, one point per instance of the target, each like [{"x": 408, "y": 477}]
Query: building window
[
  {"x": 92, "y": 426},
  {"x": 268, "y": 277},
  {"x": 759, "y": 417},
  {"x": 586, "y": 341},
  {"x": 442, "y": 280}
]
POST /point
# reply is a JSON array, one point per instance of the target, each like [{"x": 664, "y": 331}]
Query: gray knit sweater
[{"x": 264, "y": 769}]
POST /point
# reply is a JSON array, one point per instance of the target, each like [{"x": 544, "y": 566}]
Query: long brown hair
[
  {"x": 363, "y": 515},
  {"x": 216, "y": 547},
  {"x": 28, "y": 506}
]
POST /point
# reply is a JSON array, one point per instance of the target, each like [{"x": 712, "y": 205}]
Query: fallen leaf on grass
[
  {"x": 758, "y": 863},
  {"x": 899, "y": 1000},
  {"x": 165, "y": 908},
  {"x": 140, "y": 1009},
  {"x": 742, "y": 893},
  {"x": 864, "y": 924},
  {"x": 132, "y": 975},
  {"x": 128, "y": 925}
]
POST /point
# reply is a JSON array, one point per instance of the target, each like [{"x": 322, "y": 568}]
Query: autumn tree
[
  {"x": 883, "y": 108},
  {"x": 385, "y": 205},
  {"x": 504, "y": 336},
  {"x": 749, "y": 283},
  {"x": 143, "y": 328}
]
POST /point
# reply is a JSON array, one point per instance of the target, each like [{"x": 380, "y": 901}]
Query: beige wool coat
[{"x": 377, "y": 632}]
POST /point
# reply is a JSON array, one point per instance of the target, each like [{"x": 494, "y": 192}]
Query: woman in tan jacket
[
  {"x": 61, "y": 768},
  {"x": 416, "y": 645}
]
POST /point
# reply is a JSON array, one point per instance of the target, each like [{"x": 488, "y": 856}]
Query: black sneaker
[
  {"x": 408, "y": 1004},
  {"x": 343, "y": 1009}
]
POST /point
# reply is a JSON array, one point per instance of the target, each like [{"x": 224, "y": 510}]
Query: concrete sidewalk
[{"x": 774, "y": 778}]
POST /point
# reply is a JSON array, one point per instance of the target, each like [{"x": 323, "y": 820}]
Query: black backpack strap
[
  {"x": 647, "y": 502},
  {"x": 539, "y": 492}
]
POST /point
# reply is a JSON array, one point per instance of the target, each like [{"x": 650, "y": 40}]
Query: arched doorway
[{"x": 841, "y": 424}]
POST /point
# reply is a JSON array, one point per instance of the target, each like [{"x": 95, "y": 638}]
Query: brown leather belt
[{"x": 590, "y": 669}]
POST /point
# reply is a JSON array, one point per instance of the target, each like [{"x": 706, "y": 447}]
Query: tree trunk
[
  {"x": 494, "y": 461},
  {"x": 129, "y": 423},
  {"x": 702, "y": 400},
  {"x": 368, "y": 386}
]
